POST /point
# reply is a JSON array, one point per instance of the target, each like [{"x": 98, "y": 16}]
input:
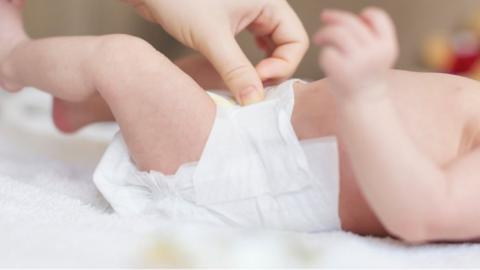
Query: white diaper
[{"x": 253, "y": 173}]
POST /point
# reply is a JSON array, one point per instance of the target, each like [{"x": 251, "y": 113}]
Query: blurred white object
[{"x": 26, "y": 119}]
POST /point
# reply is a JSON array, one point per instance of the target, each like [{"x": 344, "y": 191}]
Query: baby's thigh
[
  {"x": 313, "y": 114},
  {"x": 165, "y": 130},
  {"x": 165, "y": 117}
]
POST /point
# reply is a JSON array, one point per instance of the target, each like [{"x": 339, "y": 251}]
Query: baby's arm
[{"x": 415, "y": 198}]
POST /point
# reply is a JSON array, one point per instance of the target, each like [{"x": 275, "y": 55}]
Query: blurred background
[{"x": 416, "y": 20}]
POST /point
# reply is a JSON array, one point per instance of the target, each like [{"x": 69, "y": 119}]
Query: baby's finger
[
  {"x": 337, "y": 37},
  {"x": 357, "y": 27},
  {"x": 380, "y": 22},
  {"x": 329, "y": 58}
]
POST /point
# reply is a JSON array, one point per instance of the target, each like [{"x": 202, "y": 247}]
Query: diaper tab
[{"x": 258, "y": 150}]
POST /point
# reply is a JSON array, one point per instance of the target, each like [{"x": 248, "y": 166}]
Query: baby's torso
[{"x": 440, "y": 112}]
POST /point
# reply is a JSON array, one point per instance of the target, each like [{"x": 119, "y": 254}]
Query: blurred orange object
[{"x": 455, "y": 53}]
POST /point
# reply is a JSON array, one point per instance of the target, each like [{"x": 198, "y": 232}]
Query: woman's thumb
[{"x": 236, "y": 70}]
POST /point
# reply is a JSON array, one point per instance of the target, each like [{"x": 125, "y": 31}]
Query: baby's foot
[
  {"x": 359, "y": 51},
  {"x": 70, "y": 117},
  {"x": 12, "y": 32}
]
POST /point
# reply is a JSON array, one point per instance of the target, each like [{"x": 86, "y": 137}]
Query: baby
[{"x": 407, "y": 167}]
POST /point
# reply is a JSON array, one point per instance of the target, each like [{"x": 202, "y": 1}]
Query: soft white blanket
[{"x": 51, "y": 215}]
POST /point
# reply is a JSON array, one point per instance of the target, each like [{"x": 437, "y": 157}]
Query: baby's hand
[{"x": 358, "y": 52}]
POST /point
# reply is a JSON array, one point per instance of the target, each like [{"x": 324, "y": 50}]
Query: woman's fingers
[
  {"x": 210, "y": 26},
  {"x": 234, "y": 67},
  {"x": 287, "y": 40}
]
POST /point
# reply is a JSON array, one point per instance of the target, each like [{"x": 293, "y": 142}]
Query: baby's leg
[
  {"x": 164, "y": 115},
  {"x": 69, "y": 117}
]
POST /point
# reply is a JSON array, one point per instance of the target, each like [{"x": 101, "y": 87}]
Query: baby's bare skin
[{"x": 441, "y": 113}]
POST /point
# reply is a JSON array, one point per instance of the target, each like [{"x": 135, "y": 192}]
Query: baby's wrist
[{"x": 375, "y": 93}]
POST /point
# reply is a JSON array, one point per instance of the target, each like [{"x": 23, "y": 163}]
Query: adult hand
[{"x": 210, "y": 26}]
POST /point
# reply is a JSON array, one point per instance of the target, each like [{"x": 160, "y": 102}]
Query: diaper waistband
[{"x": 263, "y": 152}]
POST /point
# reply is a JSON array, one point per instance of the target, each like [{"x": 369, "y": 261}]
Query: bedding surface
[{"x": 52, "y": 216}]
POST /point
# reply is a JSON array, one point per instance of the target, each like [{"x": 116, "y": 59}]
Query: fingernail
[{"x": 250, "y": 95}]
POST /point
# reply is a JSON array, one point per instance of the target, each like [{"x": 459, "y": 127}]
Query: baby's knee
[
  {"x": 122, "y": 44},
  {"x": 118, "y": 58},
  {"x": 123, "y": 53}
]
